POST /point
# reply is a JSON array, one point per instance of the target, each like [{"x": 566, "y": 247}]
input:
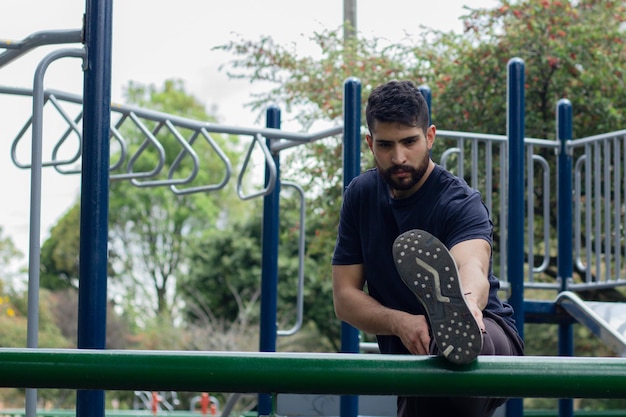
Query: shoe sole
[{"x": 428, "y": 269}]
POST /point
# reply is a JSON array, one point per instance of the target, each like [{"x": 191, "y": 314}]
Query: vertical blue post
[
  {"x": 428, "y": 95},
  {"x": 94, "y": 213},
  {"x": 269, "y": 272},
  {"x": 565, "y": 260},
  {"x": 349, "y": 405},
  {"x": 516, "y": 218}
]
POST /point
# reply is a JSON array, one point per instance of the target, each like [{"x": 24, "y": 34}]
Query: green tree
[
  {"x": 224, "y": 280},
  {"x": 225, "y": 270},
  {"x": 8, "y": 251},
  {"x": 571, "y": 49},
  {"x": 9, "y": 258},
  {"x": 14, "y": 322},
  {"x": 59, "y": 253}
]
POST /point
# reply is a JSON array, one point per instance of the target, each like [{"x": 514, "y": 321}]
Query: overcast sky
[{"x": 155, "y": 40}]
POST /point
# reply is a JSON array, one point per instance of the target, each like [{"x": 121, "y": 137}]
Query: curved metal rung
[
  {"x": 72, "y": 127},
  {"x": 149, "y": 139},
  {"x": 546, "y": 213},
  {"x": 187, "y": 149},
  {"x": 269, "y": 162},
  {"x": 181, "y": 155},
  {"x": 64, "y": 53},
  {"x": 18, "y": 137},
  {"x": 123, "y": 148},
  {"x": 446, "y": 155},
  {"x": 300, "y": 294},
  {"x": 210, "y": 187},
  {"x": 52, "y": 163}
]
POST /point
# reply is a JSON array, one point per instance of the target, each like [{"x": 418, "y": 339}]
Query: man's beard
[{"x": 415, "y": 175}]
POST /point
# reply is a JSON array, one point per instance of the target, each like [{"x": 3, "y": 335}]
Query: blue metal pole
[
  {"x": 565, "y": 261},
  {"x": 515, "y": 263},
  {"x": 349, "y": 404},
  {"x": 428, "y": 95},
  {"x": 94, "y": 218},
  {"x": 269, "y": 272}
]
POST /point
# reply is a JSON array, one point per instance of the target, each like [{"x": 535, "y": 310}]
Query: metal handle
[
  {"x": 269, "y": 162},
  {"x": 300, "y": 293}
]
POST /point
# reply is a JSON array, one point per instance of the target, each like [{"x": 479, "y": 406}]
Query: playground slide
[{"x": 607, "y": 320}]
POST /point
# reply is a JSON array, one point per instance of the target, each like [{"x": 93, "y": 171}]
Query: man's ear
[
  {"x": 431, "y": 132},
  {"x": 370, "y": 141}
]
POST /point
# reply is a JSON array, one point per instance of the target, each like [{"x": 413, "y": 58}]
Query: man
[{"x": 409, "y": 223}]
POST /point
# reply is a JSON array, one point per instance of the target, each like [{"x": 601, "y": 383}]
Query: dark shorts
[{"x": 499, "y": 339}]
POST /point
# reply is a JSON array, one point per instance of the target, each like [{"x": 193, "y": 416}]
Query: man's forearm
[{"x": 366, "y": 314}]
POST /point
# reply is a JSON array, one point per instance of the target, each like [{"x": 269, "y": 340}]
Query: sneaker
[{"x": 428, "y": 269}]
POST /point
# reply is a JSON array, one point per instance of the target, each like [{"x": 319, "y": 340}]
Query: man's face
[{"x": 402, "y": 155}]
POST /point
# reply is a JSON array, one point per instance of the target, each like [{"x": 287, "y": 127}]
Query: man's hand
[
  {"x": 472, "y": 304},
  {"x": 413, "y": 331}
]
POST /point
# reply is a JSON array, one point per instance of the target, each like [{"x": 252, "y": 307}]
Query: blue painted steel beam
[
  {"x": 539, "y": 311},
  {"x": 565, "y": 258},
  {"x": 351, "y": 168},
  {"x": 515, "y": 134},
  {"x": 94, "y": 219},
  {"x": 428, "y": 96},
  {"x": 516, "y": 219},
  {"x": 269, "y": 271}
]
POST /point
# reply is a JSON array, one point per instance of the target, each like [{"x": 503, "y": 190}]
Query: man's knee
[{"x": 496, "y": 341}]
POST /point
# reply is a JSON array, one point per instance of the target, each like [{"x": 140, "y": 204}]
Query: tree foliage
[
  {"x": 224, "y": 281},
  {"x": 59, "y": 253},
  {"x": 572, "y": 50},
  {"x": 9, "y": 258},
  {"x": 8, "y": 251}
]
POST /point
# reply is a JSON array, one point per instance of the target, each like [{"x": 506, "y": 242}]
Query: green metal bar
[
  {"x": 580, "y": 413},
  {"x": 323, "y": 373},
  {"x": 178, "y": 413}
]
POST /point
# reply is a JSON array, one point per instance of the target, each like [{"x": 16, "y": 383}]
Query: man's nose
[{"x": 397, "y": 155}]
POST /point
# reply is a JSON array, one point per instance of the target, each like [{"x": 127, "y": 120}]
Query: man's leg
[
  {"x": 497, "y": 340},
  {"x": 429, "y": 271},
  {"x": 427, "y": 268}
]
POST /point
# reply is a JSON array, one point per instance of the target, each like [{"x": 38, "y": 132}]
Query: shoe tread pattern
[{"x": 429, "y": 271}]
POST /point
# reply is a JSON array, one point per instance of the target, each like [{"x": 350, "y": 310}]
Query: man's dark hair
[{"x": 397, "y": 101}]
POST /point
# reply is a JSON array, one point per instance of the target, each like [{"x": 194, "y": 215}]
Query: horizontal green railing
[
  {"x": 107, "y": 413},
  {"x": 551, "y": 377},
  {"x": 146, "y": 413}
]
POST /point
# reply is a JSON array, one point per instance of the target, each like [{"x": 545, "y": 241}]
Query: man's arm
[
  {"x": 357, "y": 308},
  {"x": 472, "y": 260}
]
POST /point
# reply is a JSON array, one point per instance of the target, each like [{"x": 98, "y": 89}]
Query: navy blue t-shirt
[{"x": 371, "y": 219}]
